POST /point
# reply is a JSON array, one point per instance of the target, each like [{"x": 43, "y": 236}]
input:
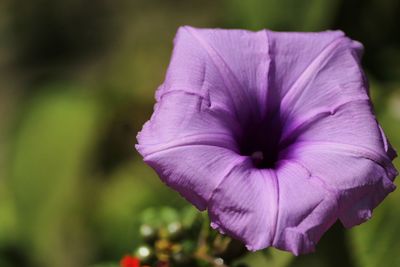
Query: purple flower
[{"x": 272, "y": 132}]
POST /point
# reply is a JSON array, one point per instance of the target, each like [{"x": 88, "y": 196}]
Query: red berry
[{"x": 129, "y": 261}]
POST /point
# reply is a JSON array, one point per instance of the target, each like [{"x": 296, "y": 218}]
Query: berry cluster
[{"x": 172, "y": 238}]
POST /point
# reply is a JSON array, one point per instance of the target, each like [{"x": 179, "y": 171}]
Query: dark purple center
[{"x": 260, "y": 141}]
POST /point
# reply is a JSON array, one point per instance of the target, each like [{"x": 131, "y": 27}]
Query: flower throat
[{"x": 260, "y": 141}]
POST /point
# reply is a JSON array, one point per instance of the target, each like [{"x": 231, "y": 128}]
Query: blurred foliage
[
  {"x": 51, "y": 146},
  {"x": 301, "y": 15},
  {"x": 77, "y": 80}
]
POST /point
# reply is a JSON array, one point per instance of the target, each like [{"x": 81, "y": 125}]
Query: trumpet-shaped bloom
[{"x": 272, "y": 132}]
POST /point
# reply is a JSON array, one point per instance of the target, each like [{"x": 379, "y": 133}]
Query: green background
[{"x": 77, "y": 80}]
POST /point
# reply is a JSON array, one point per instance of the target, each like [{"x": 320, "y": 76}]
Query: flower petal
[
  {"x": 296, "y": 56},
  {"x": 189, "y": 145},
  {"x": 357, "y": 176},
  {"x": 185, "y": 119},
  {"x": 244, "y": 205},
  {"x": 332, "y": 81},
  {"x": 328, "y": 106},
  {"x": 265, "y": 207},
  {"x": 193, "y": 170},
  {"x": 229, "y": 67},
  {"x": 306, "y": 209},
  {"x": 352, "y": 124},
  {"x": 390, "y": 151}
]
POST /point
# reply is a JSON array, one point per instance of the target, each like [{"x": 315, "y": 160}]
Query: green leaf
[{"x": 52, "y": 143}]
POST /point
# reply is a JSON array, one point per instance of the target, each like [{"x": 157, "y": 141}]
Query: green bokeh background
[{"x": 77, "y": 80}]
